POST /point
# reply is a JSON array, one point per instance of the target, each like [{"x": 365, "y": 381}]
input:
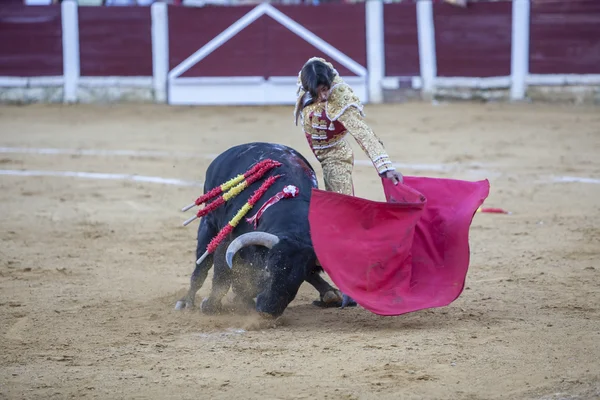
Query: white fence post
[
  {"x": 160, "y": 51},
  {"x": 426, "y": 35},
  {"x": 375, "y": 49},
  {"x": 519, "y": 64},
  {"x": 70, "y": 43}
]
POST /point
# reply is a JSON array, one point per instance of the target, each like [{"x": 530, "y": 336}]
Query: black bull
[{"x": 271, "y": 261}]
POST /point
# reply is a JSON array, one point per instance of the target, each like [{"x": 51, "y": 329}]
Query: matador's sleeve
[{"x": 344, "y": 106}]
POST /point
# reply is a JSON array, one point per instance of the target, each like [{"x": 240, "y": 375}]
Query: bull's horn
[{"x": 248, "y": 239}]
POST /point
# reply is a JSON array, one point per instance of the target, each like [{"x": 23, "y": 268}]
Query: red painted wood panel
[
  {"x": 288, "y": 52},
  {"x": 565, "y": 37},
  {"x": 245, "y": 54},
  {"x": 473, "y": 41},
  {"x": 265, "y": 47},
  {"x": 115, "y": 41},
  {"x": 190, "y": 28},
  {"x": 401, "y": 40},
  {"x": 31, "y": 41}
]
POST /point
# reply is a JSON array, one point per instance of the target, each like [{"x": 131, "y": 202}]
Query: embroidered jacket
[{"x": 326, "y": 123}]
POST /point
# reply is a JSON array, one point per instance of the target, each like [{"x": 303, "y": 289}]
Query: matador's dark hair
[{"x": 314, "y": 74}]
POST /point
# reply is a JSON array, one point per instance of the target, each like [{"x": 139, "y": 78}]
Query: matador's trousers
[{"x": 337, "y": 163}]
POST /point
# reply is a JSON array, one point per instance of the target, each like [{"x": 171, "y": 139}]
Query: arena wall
[
  {"x": 508, "y": 50},
  {"x": 31, "y": 62}
]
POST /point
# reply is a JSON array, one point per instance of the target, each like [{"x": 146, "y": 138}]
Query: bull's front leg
[
  {"x": 221, "y": 283},
  {"x": 330, "y": 296},
  {"x": 196, "y": 281},
  {"x": 205, "y": 234}
]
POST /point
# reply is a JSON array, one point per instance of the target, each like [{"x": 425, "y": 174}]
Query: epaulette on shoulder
[{"x": 340, "y": 99}]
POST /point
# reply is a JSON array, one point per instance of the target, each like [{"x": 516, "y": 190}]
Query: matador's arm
[{"x": 344, "y": 106}]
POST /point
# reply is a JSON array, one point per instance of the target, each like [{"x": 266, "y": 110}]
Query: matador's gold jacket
[{"x": 326, "y": 124}]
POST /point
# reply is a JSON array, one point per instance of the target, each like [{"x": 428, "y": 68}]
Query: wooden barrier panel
[
  {"x": 347, "y": 32},
  {"x": 265, "y": 47},
  {"x": 473, "y": 41},
  {"x": 565, "y": 37},
  {"x": 401, "y": 40},
  {"x": 31, "y": 41},
  {"x": 115, "y": 41},
  {"x": 191, "y": 28}
]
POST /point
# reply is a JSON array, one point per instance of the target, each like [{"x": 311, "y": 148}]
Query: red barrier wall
[
  {"x": 288, "y": 52},
  {"x": 31, "y": 41},
  {"x": 473, "y": 42},
  {"x": 401, "y": 40},
  {"x": 265, "y": 47},
  {"x": 115, "y": 41},
  {"x": 565, "y": 37}
]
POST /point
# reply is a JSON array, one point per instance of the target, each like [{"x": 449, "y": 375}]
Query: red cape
[{"x": 407, "y": 254}]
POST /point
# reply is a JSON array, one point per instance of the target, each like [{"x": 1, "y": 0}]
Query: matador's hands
[{"x": 395, "y": 176}]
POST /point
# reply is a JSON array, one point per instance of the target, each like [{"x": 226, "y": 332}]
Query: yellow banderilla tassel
[
  {"x": 240, "y": 214},
  {"x": 231, "y": 183},
  {"x": 235, "y": 191}
]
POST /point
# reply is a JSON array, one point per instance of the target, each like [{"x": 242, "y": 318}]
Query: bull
[{"x": 273, "y": 259}]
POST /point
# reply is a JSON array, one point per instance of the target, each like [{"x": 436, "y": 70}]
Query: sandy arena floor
[{"x": 90, "y": 268}]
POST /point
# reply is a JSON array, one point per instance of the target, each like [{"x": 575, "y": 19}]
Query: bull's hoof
[
  {"x": 184, "y": 305},
  {"x": 331, "y": 298},
  {"x": 322, "y": 304},
  {"x": 210, "y": 307},
  {"x": 266, "y": 316}
]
